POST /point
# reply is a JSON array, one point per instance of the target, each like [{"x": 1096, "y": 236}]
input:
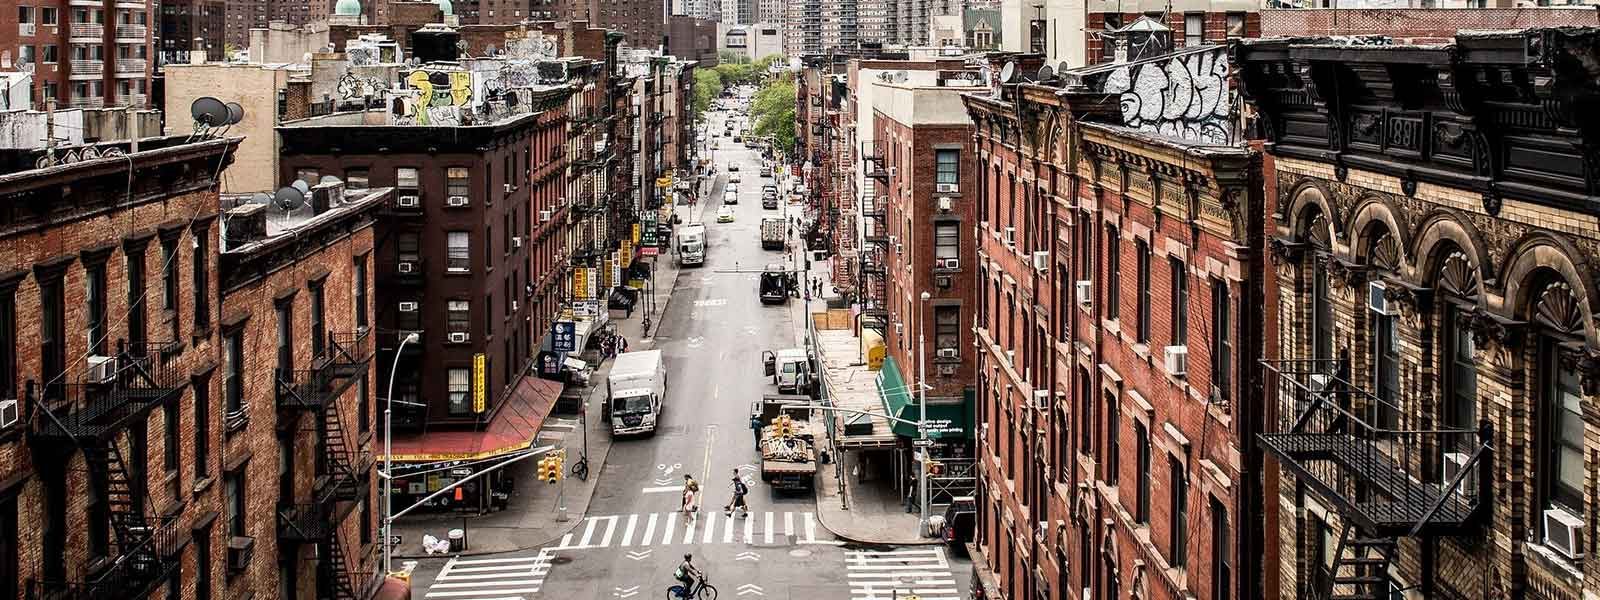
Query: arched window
[
  {"x": 1559, "y": 321},
  {"x": 1384, "y": 257},
  {"x": 1460, "y": 287},
  {"x": 1320, "y": 331}
]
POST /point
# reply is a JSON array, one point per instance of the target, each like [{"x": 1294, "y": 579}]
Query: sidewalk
[{"x": 530, "y": 518}]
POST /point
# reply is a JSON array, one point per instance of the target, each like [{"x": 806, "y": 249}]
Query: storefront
[{"x": 950, "y": 429}]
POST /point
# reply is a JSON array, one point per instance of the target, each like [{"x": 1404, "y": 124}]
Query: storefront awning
[
  {"x": 511, "y": 428},
  {"x": 946, "y": 420}
]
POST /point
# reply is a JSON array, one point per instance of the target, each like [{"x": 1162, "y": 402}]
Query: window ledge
[
  {"x": 1142, "y": 350},
  {"x": 201, "y": 485}
]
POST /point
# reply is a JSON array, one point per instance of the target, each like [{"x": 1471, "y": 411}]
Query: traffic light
[
  {"x": 549, "y": 469},
  {"x": 785, "y": 426},
  {"x": 935, "y": 468}
]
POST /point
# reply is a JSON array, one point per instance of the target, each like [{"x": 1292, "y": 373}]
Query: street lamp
[
  {"x": 388, "y": 452},
  {"x": 922, "y": 409}
]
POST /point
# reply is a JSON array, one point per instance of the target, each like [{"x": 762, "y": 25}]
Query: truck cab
[
  {"x": 636, "y": 388},
  {"x": 794, "y": 370}
]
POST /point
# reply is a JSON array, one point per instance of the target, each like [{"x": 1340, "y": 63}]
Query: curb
[{"x": 921, "y": 541}]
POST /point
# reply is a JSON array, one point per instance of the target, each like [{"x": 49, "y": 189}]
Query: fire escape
[
  {"x": 91, "y": 415},
  {"x": 1386, "y": 473},
  {"x": 875, "y": 252},
  {"x": 341, "y": 470}
]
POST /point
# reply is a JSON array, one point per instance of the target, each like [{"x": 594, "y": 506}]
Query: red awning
[{"x": 511, "y": 428}]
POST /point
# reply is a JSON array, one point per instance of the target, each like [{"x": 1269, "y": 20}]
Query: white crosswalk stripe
[
  {"x": 674, "y": 528},
  {"x": 490, "y": 578},
  {"x": 887, "y": 574}
]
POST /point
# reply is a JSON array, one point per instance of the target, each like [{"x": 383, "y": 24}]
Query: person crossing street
[{"x": 739, "y": 491}]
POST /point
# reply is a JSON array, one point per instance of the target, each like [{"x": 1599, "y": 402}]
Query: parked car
[
  {"x": 725, "y": 214},
  {"x": 960, "y": 520}
]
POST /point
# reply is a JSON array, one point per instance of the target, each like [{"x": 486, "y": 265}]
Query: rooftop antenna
[
  {"x": 208, "y": 114},
  {"x": 1008, "y": 73},
  {"x": 290, "y": 198}
]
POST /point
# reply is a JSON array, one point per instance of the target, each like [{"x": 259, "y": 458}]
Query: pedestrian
[
  {"x": 624, "y": 343},
  {"x": 739, "y": 490},
  {"x": 755, "y": 428}
]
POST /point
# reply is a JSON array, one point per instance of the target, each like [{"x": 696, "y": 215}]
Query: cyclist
[{"x": 688, "y": 575}]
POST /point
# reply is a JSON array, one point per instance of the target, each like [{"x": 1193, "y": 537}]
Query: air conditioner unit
[
  {"x": 8, "y": 413},
  {"x": 899, "y": 248},
  {"x": 1177, "y": 360},
  {"x": 946, "y": 369},
  {"x": 1041, "y": 261},
  {"x": 946, "y": 353},
  {"x": 1011, "y": 356},
  {"x": 515, "y": 306},
  {"x": 458, "y": 337},
  {"x": 1041, "y": 399},
  {"x": 1454, "y": 463},
  {"x": 946, "y": 203},
  {"x": 1085, "y": 291},
  {"x": 562, "y": 201},
  {"x": 406, "y": 267},
  {"x": 102, "y": 369},
  {"x": 899, "y": 328},
  {"x": 1376, "y": 301},
  {"x": 893, "y": 171},
  {"x": 456, "y": 201},
  {"x": 943, "y": 281},
  {"x": 1563, "y": 532},
  {"x": 516, "y": 241},
  {"x": 946, "y": 188},
  {"x": 950, "y": 263},
  {"x": 544, "y": 216},
  {"x": 408, "y": 307},
  {"x": 409, "y": 201},
  {"x": 1011, "y": 236}
]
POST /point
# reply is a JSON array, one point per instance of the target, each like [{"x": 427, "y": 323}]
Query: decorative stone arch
[
  {"x": 1306, "y": 194},
  {"x": 1372, "y": 210},
  {"x": 1441, "y": 234},
  {"x": 1532, "y": 257}
]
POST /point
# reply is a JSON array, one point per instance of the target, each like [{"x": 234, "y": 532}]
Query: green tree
[
  {"x": 773, "y": 111},
  {"x": 765, "y": 64},
  {"x": 707, "y": 86},
  {"x": 731, "y": 57},
  {"x": 736, "y": 74}
]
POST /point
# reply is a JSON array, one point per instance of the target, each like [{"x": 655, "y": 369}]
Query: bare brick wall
[{"x": 1419, "y": 24}]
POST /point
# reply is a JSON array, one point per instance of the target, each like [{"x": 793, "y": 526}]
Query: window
[
  {"x": 8, "y": 343},
  {"x": 1141, "y": 504},
  {"x": 457, "y": 182},
  {"x": 24, "y": 14},
  {"x": 1113, "y": 273},
  {"x": 1235, "y": 25},
  {"x": 319, "y": 325},
  {"x": 406, "y": 177},
  {"x": 1461, "y": 374},
  {"x": 233, "y": 373},
  {"x": 410, "y": 320},
  {"x": 48, "y": 15},
  {"x": 1180, "y": 302},
  {"x": 1085, "y": 241},
  {"x": 947, "y": 329},
  {"x": 356, "y": 179},
  {"x": 52, "y": 331},
  {"x": 136, "y": 300},
  {"x": 1564, "y": 429},
  {"x": 1143, "y": 326},
  {"x": 1179, "y": 532},
  {"x": 10, "y": 560},
  {"x": 202, "y": 306},
  {"x": 1385, "y": 368},
  {"x": 1321, "y": 313},
  {"x": 170, "y": 450},
  {"x": 1221, "y": 553},
  {"x": 457, "y": 315},
  {"x": 285, "y": 310},
  {"x": 360, "y": 292},
  {"x": 1221, "y": 339},
  {"x": 363, "y": 401},
  {"x": 1194, "y": 29},
  {"x": 234, "y": 489},
  {"x": 947, "y": 241},
  {"x": 458, "y": 254},
  {"x": 459, "y": 387},
  {"x": 947, "y": 165},
  {"x": 1113, "y": 453},
  {"x": 408, "y": 248},
  {"x": 94, "y": 300},
  {"x": 25, "y": 55},
  {"x": 202, "y": 566},
  {"x": 202, "y": 429},
  {"x": 51, "y": 55}
]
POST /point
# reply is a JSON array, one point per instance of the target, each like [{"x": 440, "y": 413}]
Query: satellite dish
[
  {"x": 302, "y": 186},
  {"x": 288, "y": 198},
  {"x": 327, "y": 179},
  {"x": 1046, "y": 73},
  {"x": 209, "y": 111},
  {"x": 235, "y": 113},
  {"x": 1008, "y": 73},
  {"x": 260, "y": 198}
]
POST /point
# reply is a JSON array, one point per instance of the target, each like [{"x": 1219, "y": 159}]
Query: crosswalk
[
  {"x": 885, "y": 575},
  {"x": 676, "y": 528},
  {"x": 491, "y": 578}
]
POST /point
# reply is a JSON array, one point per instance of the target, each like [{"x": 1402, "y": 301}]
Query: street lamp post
[
  {"x": 922, "y": 410},
  {"x": 388, "y": 453}
]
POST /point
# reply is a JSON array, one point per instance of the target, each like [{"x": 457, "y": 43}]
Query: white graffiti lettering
[{"x": 1183, "y": 96}]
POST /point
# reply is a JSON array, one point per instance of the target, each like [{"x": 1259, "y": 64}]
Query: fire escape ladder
[
  {"x": 341, "y": 469},
  {"x": 334, "y": 573},
  {"x": 124, "y": 501},
  {"x": 1361, "y": 566}
]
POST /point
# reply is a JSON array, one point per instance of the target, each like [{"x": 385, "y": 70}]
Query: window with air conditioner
[
  {"x": 947, "y": 331},
  {"x": 458, "y": 184},
  {"x": 947, "y": 171},
  {"x": 407, "y": 178},
  {"x": 947, "y": 244},
  {"x": 458, "y": 315},
  {"x": 1177, "y": 360},
  {"x": 1563, "y": 448},
  {"x": 1084, "y": 290}
]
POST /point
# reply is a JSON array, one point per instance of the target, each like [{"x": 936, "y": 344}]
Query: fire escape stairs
[
  {"x": 1360, "y": 566},
  {"x": 124, "y": 504},
  {"x": 334, "y": 572},
  {"x": 341, "y": 466}
]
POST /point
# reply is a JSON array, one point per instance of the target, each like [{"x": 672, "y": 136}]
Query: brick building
[
  {"x": 1427, "y": 415},
  {"x": 85, "y": 54},
  {"x": 473, "y": 251},
  {"x": 297, "y": 285},
  {"x": 1116, "y": 259},
  {"x": 244, "y": 15},
  {"x": 182, "y": 21}
]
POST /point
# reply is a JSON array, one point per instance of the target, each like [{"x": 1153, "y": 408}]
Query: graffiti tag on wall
[
  {"x": 439, "y": 98},
  {"x": 1183, "y": 96},
  {"x": 356, "y": 87}
]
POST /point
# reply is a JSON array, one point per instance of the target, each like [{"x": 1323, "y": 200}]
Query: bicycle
[
  {"x": 704, "y": 591},
  {"x": 580, "y": 469}
]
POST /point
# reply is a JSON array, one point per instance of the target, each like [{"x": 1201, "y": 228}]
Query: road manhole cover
[{"x": 799, "y": 553}]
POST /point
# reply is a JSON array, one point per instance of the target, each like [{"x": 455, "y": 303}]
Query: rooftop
[
  {"x": 326, "y": 202},
  {"x": 471, "y": 92}
]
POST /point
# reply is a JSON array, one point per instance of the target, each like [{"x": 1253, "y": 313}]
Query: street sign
[
  {"x": 479, "y": 394},
  {"x": 564, "y": 336},
  {"x": 922, "y": 443},
  {"x": 394, "y": 540}
]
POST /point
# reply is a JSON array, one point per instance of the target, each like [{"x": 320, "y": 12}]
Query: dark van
[{"x": 960, "y": 520}]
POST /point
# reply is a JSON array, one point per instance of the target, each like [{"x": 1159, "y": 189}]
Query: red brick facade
[{"x": 1216, "y": 29}]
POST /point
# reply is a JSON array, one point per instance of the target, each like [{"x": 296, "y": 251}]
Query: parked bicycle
[{"x": 580, "y": 469}]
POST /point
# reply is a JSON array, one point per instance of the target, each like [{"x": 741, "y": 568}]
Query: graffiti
[
  {"x": 440, "y": 98},
  {"x": 356, "y": 87},
  {"x": 1183, "y": 96},
  {"x": 361, "y": 56},
  {"x": 534, "y": 46}
]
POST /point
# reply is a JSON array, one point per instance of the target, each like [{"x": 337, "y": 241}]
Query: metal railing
[
  {"x": 104, "y": 399},
  {"x": 94, "y": 31},
  {"x": 131, "y": 65},
  {"x": 307, "y": 522},
  {"x": 1396, "y": 469},
  {"x": 88, "y": 67},
  {"x": 307, "y": 388},
  {"x": 132, "y": 31},
  {"x": 130, "y": 575},
  {"x": 348, "y": 353}
]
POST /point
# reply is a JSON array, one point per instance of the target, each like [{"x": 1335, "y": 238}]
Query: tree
[
  {"x": 731, "y": 57},
  {"x": 773, "y": 111},
  {"x": 736, "y": 74},
  {"x": 707, "y": 86},
  {"x": 765, "y": 64}
]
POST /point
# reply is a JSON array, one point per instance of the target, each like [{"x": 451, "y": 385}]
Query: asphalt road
[{"x": 634, "y": 535}]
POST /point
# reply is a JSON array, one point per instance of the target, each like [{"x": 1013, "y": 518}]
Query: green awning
[{"x": 946, "y": 420}]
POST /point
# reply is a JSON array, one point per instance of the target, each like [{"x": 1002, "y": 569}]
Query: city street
[{"x": 633, "y": 536}]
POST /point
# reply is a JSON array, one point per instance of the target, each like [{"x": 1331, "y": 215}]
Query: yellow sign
[
  {"x": 627, "y": 252},
  {"x": 605, "y": 274},
  {"x": 478, "y": 374},
  {"x": 580, "y": 284},
  {"x": 663, "y": 182},
  {"x": 637, "y": 231}
]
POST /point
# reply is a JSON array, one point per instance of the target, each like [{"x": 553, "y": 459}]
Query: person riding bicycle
[{"x": 688, "y": 575}]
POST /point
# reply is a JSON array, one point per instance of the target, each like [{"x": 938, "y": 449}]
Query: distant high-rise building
[
  {"x": 88, "y": 54},
  {"x": 738, "y": 12},
  {"x": 803, "y": 34},
  {"x": 244, "y": 15},
  {"x": 771, "y": 12},
  {"x": 874, "y": 23}
]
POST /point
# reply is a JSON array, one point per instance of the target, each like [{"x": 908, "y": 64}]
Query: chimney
[
  {"x": 246, "y": 223},
  {"x": 197, "y": 51}
]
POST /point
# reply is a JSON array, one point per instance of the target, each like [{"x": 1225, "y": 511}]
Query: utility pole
[
  {"x": 50, "y": 132},
  {"x": 924, "y": 444}
]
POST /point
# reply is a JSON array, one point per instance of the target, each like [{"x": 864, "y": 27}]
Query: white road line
[
  {"x": 479, "y": 593},
  {"x": 494, "y": 561},
  {"x": 766, "y": 534},
  {"x": 469, "y": 584},
  {"x": 588, "y": 532},
  {"x": 662, "y": 490},
  {"x": 488, "y": 576},
  {"x": 749, "y": 529},
  {"x": 811, "y": 527},
  {"x": 908, "y": 552},
  {"x": 670, "y": 529},
  {"x": 627, "y": 534},
  {"x": 711, "y": 526},
  {"x": 788, "y": 523},
  {"x": 649, "y": 530},
  {"x": 566, "y": 541},
  {"x": 727, "y": 528},
  {"x": 688, "y": 531},
  {"x": 611, "y": 527}
]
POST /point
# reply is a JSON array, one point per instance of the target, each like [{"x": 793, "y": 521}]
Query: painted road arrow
[
  {"x": 751, "y": 556},
  {"x": 639, "y": 555},
  {"x": 625, "y": 592},
  {"x": 751, "y": 588}
]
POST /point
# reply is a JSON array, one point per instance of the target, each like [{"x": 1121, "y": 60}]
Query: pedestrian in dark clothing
[{"x": 755, "y": 428}]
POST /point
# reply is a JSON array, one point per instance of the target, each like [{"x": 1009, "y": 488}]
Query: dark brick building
[
  {"x": 184, "y": 20},
  {"x": 85, "y": 54}
]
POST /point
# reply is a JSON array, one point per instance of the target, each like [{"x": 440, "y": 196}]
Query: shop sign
[
  {"x": 564, "y": 336},
  {"x": 479, "y": 395}
]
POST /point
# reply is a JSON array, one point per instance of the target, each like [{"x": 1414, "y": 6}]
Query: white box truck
[
  {"x": 772, "y": 233},
  {"x": 635, "y": 391},
  {"x": 692, "y": 245}
]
